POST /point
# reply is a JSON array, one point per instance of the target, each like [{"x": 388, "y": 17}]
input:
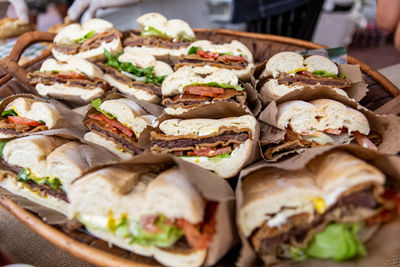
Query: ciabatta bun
[
  {"x": 75, "y": 64},
  {"x": 59, "y": 90},
  {"x": 160, "y": 68},
  {"x": 13, "y": 27},
  {"x": 97, "y": 139}
]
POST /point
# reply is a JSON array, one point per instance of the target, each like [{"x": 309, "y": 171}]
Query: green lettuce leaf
[
  {"x": 193, "y": 50},
  {"x": 9, "y": 112},
  {"x": 85, "y": 37},
  {"x": 25, "y": 175},
  {"x": 151, "y": 31},
  {"x": 219, "y": 157},
  {"x": 2, "y": 145},
  {"x": 324, "y": 73},
  {"x": 338, "y": 241},
  {"x": 169, "y": 235},
  {"x": 220, "y": 85},
  {"x": 96, "y": 104},
  {"x": 132, "y": 69}
]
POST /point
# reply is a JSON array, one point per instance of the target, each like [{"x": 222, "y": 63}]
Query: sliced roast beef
[
  {"x": 99, "y": 38},
  {"x": 123, "y": 141},
  {"x": 94, "y": 42},
  {"x": 311, "y": 79},
  {"x": 70, "y": 49},
  {"x": 188, "y": 101},
  {"x": 155, "y": 41},
  {"x": 48, "y": 78},
  {"x": 299, "y": 229},
  {"x": 47, "y": 190},
  {"x": 162, "y": 143},
  {"x": 117, "y": 75},
  {"x": 195, "y": 60}
]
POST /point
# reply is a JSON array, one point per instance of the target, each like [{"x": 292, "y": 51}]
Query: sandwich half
[
  {"x": 116, "y": 125},
  {"x": 186, "y": 89},
  {"x": 25, "y": 115},
  {"x": 219, "y": 145},
  {"x": 320, "y": 122},
  {"x": 288, "y": 71},
  {"x": 76, "y": 80},
  {"x": 41, "y": 168},
  {"x": 148, "y": 211},
  {"x": 234, "y": 56},
  {"x": 137, "y": 75},
  {"x": 160, "y": 37},
  {"x": 87, "y": 41},
  {"x": 326, "y": 211}
]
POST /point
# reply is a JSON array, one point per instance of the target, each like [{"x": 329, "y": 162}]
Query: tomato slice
[
  {"x": 210, "y": 152},
  {"x": 382, "y": 217},
  {"x": 333, "y": 131},
  {"x": 114, "y": 123},
  {"x": 70, "y": 75},
  {"x": 363, "y": 141},
  {"x": 202, "y": 90},
  {"x": 230, "y": 58},
  {"x": 25, "y": 121},
  {"x": 304, "y": 72},
  {"x": 206, "y": 54},
  {"x": 148, "y": 224}
]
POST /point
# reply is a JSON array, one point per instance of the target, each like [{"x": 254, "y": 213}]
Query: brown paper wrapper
[
  {"x": 211, "y": 111},
  {"x": 387, "y": 126},
  {"x": 380, "y": 248},
  {"x": 353, "y": 74}
]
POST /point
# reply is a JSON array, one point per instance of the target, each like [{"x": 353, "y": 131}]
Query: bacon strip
[{"x": 363, "y": 141}]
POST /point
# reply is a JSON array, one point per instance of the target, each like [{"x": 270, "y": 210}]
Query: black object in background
[{"x": 292, "y": 18}]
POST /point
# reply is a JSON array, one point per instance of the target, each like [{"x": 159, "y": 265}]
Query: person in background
[{"x": 388, "y": 18}]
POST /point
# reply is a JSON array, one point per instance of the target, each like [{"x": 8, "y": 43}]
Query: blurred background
[{"x": 349, "y": 23}]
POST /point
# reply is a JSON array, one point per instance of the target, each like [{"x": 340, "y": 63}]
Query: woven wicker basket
[{"x": 383, "y": 97}]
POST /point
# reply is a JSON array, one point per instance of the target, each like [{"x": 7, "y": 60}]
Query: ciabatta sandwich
[
  {"x": 288, "y": 71},
  {"x": 186, "y": 89},
  {"x": 234, "y": 56},
  {"x": 219, "y": 145},
  {"x": 116, "y": 125},
  {"x": 147, "y": 211},
  {"x": 137, "y": 75},
  {"x": 77, "y": 79},
  {"x": 326, "y": 211},
  {"x": 87, "y": 40},
  {"x": 160, "y": 37},
  {"x": 13, "y": 27},
  {"x": 319, "y": 122},
  {"x": 25, "y": 115},
  {"x": 41, "y": 168}
]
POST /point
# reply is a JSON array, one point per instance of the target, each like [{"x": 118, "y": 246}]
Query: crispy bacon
[
  {"x": 363, "y": 141},
  {"x": 70, "y": 75},
  {"x": 200, "y": 235},
  {"x": 230, "y": 58},
  {"x": 333, "y": 131},
  {"x": 382, "y": 217},
  {"x": 210, "y": 152}
]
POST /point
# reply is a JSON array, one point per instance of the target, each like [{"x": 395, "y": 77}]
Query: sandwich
[
  {"x": 137, "y": 75},
  {"x": 320, "y": 122},
  {"x": 326, "y": 211},
  {"x": 146, "y": 210},
  {"x": 185, "y": 89},
  {"x": 219, "y": 145},
  {"x": 160, "y": 37},
  {"x": 116, "y": 125},
  {"x": 234, "y": 56},
  {"x": 288, "y": 71},
  {"x": 13, "y": 27},
  {"x": 24, "y": 115},
  {"x": 75, "y": 80},
  {"x": 41, "y": 168},
  {"x": 87, "y": 41}
]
